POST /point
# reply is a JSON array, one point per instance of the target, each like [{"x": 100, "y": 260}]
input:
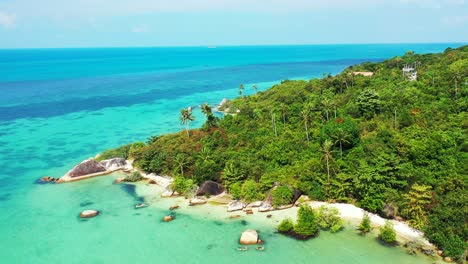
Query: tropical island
[{"x": 387, "y": 137}]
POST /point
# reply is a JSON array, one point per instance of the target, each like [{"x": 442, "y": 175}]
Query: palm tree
[
  {"x": 207, "y": 111},
  {"x": 254, "y": 87},
  {"x": 283, "y": 112},
  {"x": 180, "y": 161},
  {"x": 241, "y": 89},
  {"x": 273, "y": 121},
  {"x": 341, "y": 136},
  {"x": 306, "y": 119},
  {"x": 327, "y": 155},
  {"x": 327, "y": 105},
  {"x": 204, "y": 154},
  {"x": 185, "y": 118}
]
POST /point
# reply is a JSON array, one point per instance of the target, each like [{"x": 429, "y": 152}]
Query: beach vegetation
[
  {"x": 387, "y": 233},
  {"x": 133, "y": 177},
  {"x": 282, "y": 195},
  {"x": 306, "y": 225},
  {"x": 328, "y": 218},
  {"x": 391, "y": 146},
  {"x": 286, "y": 226},
  {"x": 365, "y": 225}
]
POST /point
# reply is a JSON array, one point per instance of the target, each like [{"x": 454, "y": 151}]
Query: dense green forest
[{"x": 387, "y": 144}]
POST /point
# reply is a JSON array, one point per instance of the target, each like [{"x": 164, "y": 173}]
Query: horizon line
[{"x": 228, "y": 46}]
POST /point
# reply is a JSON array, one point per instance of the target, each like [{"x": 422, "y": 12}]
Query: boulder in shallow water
[
  {"x": 249, "y": 237},
  {"x": 89, "y": 213},
  {"x": 168, "y": 218},
  {"x": 114, "y": 164},
  {"x": 210, "y": 188},
  {"x": 86, "y": 167},
  {"x": 197, "y": 201},
  {"x": 235, "y": 206}
]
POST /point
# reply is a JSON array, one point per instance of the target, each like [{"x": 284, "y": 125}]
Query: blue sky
[{"x": 115, "y": 23}]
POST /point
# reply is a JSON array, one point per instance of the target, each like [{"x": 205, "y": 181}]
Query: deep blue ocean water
[{"x": 60, "y": 106}]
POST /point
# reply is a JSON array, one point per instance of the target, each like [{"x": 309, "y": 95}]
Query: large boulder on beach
[
  {"x": 265, "y": 207},
  {"x": 197, "y": 201},
  {"x": 86, "y": 167},
  {"x": 235, "y": 206},
  {"x": 114, "y": 164},
  {"x": 89, "y": 213},
  {"x": 255, "y": 204},
  {"x": 249, "y": 237},
  {"x": 210, "y": 188}
]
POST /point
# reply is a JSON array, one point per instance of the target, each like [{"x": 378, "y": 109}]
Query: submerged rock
[
  {"x": 47, "y": 179},
  {"x": 114, "y": 164},
  {"x": 235, "y": 206},
  {"x": 86, "y": 167},
  {"x": 89, "y": 213},
  {"x": 210, "y": 188},
  {"x": 173, "y": 207},
  {"x": 249, "y": 237}
]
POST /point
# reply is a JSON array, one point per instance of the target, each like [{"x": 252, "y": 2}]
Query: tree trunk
[
  {"x": 341, "y": 149},
  {"x": 307, "y": 131}
]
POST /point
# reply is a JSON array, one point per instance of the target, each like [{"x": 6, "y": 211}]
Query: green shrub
[
  {"x": 250, "y": 191},
  {"x": 282, "y": 195},
  {"x": 387, "y": 233},
  {"x": 236, "y": 190},
  {"x": 182, "y": 185},
  {"x": 306, "y": 225},
  {"x": 286, "y": 225},
  {"x": 133, "y": 177},
  {"x": 120, "y": 152},
  {"x": 365, "y": 225},
  {"x": 329, "y": 219}
]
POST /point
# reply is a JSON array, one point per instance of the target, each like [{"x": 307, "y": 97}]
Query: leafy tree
[
  {"x": 306, "y": 225},
  {"x": 368, "y": 103},
  {"x": 415, "y": 202},
  {"x": 328, "y": 219},
  {"x": 327, "y": 157}
]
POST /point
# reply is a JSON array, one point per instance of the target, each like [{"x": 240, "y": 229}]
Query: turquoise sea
[{"x": 60, "y": 106}]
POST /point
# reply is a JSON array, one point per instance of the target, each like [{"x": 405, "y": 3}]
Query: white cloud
[
  {"x": 7, "y": 21},
  {"x": 141, "y": 29},
  {"x": 434, "y": 3},
  {"x": 455, "y": 20}
]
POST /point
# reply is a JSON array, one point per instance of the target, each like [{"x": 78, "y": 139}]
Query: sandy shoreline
[{"x": 217, "y": 211}]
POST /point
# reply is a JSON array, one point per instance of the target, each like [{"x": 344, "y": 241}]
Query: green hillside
[{"x": 387, "y": 144}]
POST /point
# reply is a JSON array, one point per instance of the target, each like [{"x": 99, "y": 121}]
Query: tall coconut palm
[
  {"x": 241, "y": 89},
  {"x": 327, "y": 156},
  {"x": 273, "y": 121},
  {"x": 185, "y": 118},
  {"x": 208, "y": 112},
  {"x": 341, "y": 136},
  {"x": 327, "y": 106},
  {"x": 283, "y": 112},
  {"x": 306, "y": 120},
  {"x": 180, "y": 161}
]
